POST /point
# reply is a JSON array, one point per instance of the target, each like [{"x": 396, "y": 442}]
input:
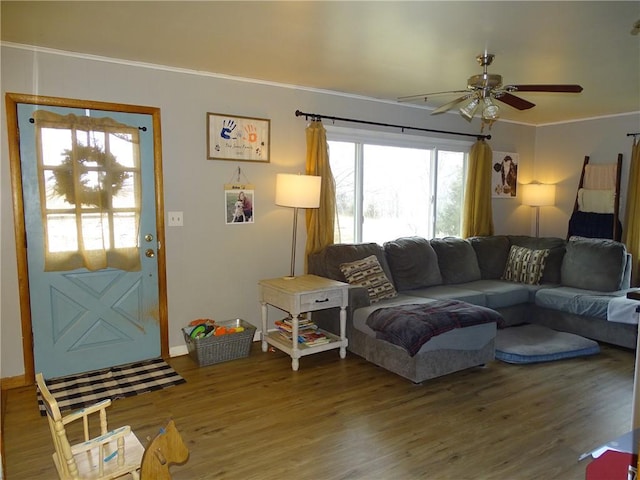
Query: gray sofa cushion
[
  {"x": 413, "y": 263},
  {"x": 457, "y": 260},
  {"x": 492, "y": 253},
  {"x": 594, "y": 265},
  {"x": 575, "y": 300},
  {"x": 450, "y": 292},
  {"x": 499, "y": 293},
  {"x": 327, "y": 262},
  {"x": 553, "y": 262}
]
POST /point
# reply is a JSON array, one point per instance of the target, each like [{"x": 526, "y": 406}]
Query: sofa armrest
[
  {"x": 358, "y": 298},
  {"x": 626, "y": 278}
]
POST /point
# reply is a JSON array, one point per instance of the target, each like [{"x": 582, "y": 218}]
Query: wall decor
[
  {"x": 239, "y": 203},
  {"x": 504, "y": 177},
  {"x": 232, "y": 137}
]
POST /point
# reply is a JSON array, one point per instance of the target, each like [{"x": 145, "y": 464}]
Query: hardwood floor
[{"x": 255, "y": 418}]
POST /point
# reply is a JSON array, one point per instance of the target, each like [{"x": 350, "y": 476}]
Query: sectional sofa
[{"x": 564, "y": 285}]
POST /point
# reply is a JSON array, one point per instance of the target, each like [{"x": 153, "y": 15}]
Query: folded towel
[
  {"x": 600, "y": 176},
  {"x": 596, "y": 201}
]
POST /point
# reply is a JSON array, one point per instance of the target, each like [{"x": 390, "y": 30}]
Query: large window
[{"x": 395, "y": 185}]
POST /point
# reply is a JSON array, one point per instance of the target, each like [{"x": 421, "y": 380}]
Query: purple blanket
[{"x": 411, "y": 326}]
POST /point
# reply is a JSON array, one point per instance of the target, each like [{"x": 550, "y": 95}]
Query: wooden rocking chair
[{"x": 110, "y": 455}]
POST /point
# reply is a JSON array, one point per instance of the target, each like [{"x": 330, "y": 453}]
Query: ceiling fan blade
[
  {"x": 545, "y": 88},
  {"x": 427, "y": 96},
  {"x": 447, "y": 106},
  {"x": 515, "y": 102}
]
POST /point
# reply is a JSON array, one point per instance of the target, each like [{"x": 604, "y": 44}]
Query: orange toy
[{"x": 220, "y": 331}]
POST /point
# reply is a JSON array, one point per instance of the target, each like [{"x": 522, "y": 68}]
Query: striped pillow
[
  {"x": 368, "y": 273},
  {"x": 525, "y": 265}
]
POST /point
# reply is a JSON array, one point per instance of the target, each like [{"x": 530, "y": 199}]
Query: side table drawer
[{"x": 312, "y": 301}]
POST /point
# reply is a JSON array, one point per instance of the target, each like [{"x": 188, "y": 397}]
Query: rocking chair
[{"x": 110, "y": 455}]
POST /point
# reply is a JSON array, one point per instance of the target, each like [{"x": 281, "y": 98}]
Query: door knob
[{"x": 150, "y": 253}]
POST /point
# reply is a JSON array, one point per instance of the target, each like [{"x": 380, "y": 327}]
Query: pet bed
[{"x": 535, "y": 344}]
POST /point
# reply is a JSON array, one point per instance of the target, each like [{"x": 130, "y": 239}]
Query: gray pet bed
[{"x": 534, "y": 343}]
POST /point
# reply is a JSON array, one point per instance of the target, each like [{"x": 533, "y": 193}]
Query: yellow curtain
[
  {"x": 632, "y": 213},
  {"x": 477, "y": 217},
  {"x": 320, "y": 221}
]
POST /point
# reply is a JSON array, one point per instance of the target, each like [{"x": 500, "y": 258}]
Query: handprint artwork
[
  {"x": 228, "y": 126},
  {"x": 237, "y": 138}
]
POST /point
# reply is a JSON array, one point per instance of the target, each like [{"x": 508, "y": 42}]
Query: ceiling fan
[{"x": 483, "y": 89}]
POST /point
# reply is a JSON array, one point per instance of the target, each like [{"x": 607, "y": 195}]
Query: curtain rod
[
  {"x": 633, "y": 134},
  {"x": 316, "y": 116}
]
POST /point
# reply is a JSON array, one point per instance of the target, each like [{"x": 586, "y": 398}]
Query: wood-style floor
[{"x": 255, "y": 418}]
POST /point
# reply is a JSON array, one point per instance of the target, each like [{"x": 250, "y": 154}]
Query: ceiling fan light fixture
[
  {"x": 469, "y": 110},
  {"x": 490, "y": 111}
]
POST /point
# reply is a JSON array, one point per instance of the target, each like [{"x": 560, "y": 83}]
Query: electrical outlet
[{"x": 175, "y": 219}]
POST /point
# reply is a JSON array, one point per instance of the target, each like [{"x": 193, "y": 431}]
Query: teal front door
[{"x": 90, "y": 220}]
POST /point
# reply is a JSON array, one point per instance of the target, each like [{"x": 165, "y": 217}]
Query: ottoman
[{"x": 454, "y": 350}]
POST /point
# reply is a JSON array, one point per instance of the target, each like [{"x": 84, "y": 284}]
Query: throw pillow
[
  {"x": 368, "y": 273},
  {"x": 525, "y": 265}
]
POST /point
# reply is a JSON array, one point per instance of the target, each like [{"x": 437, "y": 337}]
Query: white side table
[{"x": 303, "y": 294}]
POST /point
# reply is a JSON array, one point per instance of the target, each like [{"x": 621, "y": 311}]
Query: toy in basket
[{"x": 211, "y": 342}]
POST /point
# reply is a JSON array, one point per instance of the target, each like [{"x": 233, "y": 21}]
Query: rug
[
  {"x": 84, "y": 389},
  {"x": 535, "y": 343}
]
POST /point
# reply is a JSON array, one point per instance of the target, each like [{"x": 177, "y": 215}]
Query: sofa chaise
[{"x": 564, "y": 285}]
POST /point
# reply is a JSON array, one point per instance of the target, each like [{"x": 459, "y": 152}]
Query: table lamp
[
  {"x": 538, "y": 195},
  {"x": 297, "y": 191}
]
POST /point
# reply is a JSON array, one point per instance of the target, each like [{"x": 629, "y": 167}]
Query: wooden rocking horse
[{"x": 166, "y": 449}]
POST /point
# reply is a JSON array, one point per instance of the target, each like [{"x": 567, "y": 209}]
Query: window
[
  {"x": 396, "y": 185},
  {"x": 90, "y": 183}
]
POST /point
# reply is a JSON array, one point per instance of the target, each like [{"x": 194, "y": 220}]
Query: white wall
[
  {"x": 560, "y": 152},
  {"x": 213, "y": 268}
]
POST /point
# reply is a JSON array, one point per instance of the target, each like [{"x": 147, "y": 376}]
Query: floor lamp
[
  {"x": 297, "y": 191},
  {"x": 538, "y": 195}
]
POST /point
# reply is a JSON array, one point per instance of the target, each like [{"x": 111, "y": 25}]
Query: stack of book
[{"x": 308, "y": 332}]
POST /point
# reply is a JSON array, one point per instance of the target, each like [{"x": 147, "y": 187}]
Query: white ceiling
[{"x": 376, "y": 49}]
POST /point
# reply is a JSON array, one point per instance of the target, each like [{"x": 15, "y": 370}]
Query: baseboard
[
  {"x": 178, "y": 351},
  {"x": 7, "y": 383}
]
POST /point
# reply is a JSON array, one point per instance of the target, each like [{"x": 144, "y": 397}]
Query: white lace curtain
[{"x": 89, "y": 179}]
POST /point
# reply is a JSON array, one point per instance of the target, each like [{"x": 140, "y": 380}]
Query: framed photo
[
  {"x": 244, "y": 139},
  {"x": 504, "y": 179},
  {"x": 239, "y": 204}
]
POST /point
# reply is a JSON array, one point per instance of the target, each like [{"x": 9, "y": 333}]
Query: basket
[{"x": 222, "y": 348}]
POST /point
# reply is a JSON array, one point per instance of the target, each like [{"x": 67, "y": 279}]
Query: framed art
[
  {"x": 244, "y": 139},
  {"x": 504, "y": 179},
  {"x": 239, "y": 203}
]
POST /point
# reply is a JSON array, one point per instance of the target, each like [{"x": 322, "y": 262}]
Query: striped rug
[{"x": 81, "y": 390}]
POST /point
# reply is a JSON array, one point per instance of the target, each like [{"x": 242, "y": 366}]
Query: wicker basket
[{"x": 222, "y": 348}]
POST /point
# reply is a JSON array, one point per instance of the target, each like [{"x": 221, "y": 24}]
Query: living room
[{"x": 213, "y": 268}]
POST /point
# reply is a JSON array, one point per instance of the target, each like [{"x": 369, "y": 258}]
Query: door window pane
[{"x": 90, "y": 190}]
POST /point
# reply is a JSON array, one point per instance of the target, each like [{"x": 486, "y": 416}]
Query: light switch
[{"x": 175, "y": 219}]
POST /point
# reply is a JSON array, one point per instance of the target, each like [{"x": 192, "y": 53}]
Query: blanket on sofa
[{"x": 411, "y": 326}]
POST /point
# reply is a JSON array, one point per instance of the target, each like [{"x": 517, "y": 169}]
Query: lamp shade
[
  {"x": 538, "y": 194},
  {"x": 298, "y": 191}
]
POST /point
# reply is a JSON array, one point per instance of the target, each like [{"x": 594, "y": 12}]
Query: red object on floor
[{"x": 611, "y": 465}]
